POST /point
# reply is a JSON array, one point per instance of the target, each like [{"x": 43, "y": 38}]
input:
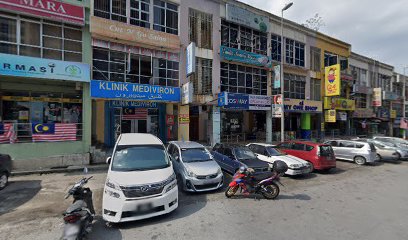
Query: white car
[
  {"x": 141, "y": 182},
  {"x": 268, "y": 153}
]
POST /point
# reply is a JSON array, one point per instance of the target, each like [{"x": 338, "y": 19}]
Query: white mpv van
[{"x": 141, "y": 182}]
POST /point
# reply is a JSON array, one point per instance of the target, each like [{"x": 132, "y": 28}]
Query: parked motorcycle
[
  {"x": 250, "y": 183},
  {"x": 79, "y": 216}
]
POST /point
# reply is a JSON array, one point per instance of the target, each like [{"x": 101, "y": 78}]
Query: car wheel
[
  {"x": 360, "y": 160},
  {"x": 3, "y": 180},
  {"x": 311, "y": 167},
  {"x": 398, "y": 156},
  {"x": 379, "y": 157}
]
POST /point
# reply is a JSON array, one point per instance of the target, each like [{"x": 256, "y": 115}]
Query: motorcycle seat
[{"x": 76, "y": 207}]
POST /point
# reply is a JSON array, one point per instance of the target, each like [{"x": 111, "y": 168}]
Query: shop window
[
  {"x": 315, "y": 89},
  {"x": 165, "y": 17},
  {"x": 315, "y": 64},
  {"x": 243, "y": 38},
  {"x": 200, "y": 25},
  {"x": 40, "y": 38},
  {"x": 240, "y": 79},
  {"x": 202, "y": 78},
  {"x": 119, "y": 66}
]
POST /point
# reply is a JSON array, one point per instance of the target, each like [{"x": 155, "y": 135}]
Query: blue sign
[
  {"x": 222, "y": 99},
  {"x": 21, "y": 66},
  {"x": 241, "y": 56},
  {"x": 237, "y": 101},
  {"x": 133, "y": 91},
  {"x": 383, "y": 112},
  {"x": 244, "y": 101},
  {"x": 134, "y": 104}
]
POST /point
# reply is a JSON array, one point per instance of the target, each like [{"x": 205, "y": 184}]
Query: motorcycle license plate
[{"x": 144, "y": 207}]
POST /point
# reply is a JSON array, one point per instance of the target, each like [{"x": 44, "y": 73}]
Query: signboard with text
[
  {"x": 276, "y": 76},
  {"x": 21, "y": 66},
  {"x": 190, "y": 59},
  {"x": 244, "y": 101},
  {"x": 330, "y": 116},
  {"x": 277, "y": 106},
  {"x": 301, "y": 105},
  {"x": 51, "y": 9},
  {"x": 244, "y": 17},
  {"x": 241, "y": 56},
  {"x": 377, "y": 99},
  {"x": 133, "y": 91},
  {"x": 332, "y": 80}
]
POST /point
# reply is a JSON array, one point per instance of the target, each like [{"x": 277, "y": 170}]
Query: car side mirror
[
  {"x": 108, "y": 160},
  {"x": 177, "y": 158}
]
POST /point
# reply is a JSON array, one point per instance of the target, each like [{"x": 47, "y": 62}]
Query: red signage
[{"x": 47, "y": 8}]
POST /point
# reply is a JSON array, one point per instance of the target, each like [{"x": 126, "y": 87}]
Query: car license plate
[{"x": 144, "y": 207}]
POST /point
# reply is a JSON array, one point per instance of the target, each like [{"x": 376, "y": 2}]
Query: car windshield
[
  {"x": 244, "y": 153},
  {"x": 195, "y": 155},
  {"x": 388, "y": 144},
  {"x": 393, "y": 140},
  {"x": 274, "y": 151},
  {"x": 139, "y": 158},
  {"x": 326, "y": 150}
]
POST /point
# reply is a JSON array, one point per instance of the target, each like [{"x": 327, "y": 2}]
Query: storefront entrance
[{"x": 134, "y": 126}]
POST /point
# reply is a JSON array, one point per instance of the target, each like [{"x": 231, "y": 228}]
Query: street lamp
[{"x": 287, "y": 6}]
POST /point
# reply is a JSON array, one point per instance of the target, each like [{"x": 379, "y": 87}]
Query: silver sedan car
[{"x": 195, "y": 167}]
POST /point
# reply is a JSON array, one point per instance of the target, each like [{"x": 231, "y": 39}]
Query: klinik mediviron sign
[{"x": 47, "y": 8}]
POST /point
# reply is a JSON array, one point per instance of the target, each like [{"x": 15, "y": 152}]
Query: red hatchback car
[{"x": 321, "y": 156}]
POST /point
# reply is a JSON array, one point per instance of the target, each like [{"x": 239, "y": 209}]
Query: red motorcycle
[{"x": 250, "y": 183}]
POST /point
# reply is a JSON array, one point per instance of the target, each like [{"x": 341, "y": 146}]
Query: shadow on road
[
  {"x": 101, "y": 231},
  {"x": 18, "y": 193},
  {"x": 304, "y": 197},
  {"x": 302, "y": 176}
]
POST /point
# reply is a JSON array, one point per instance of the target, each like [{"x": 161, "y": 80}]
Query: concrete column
[
  {"x": 305, "y": 124},
  {"x": 216, "y": 126},
  {"x": 268, "y": 126},
  {"x": 183, "y": 127}
]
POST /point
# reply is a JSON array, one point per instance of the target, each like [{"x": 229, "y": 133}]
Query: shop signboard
[
  {"x": 390, "y": 96},
  {"x": 393, "y": 114},
  {"x": 301, "y": 105},
  {"x": 330, "y": 116},
  {"x": 362, "y": 89},
  {"x": 51, "y": 9},
  {"x": 377, "y": 99},
  {"x": 339, "y": 104},
  {"x": 277, "y": 106},
  {"x": 190, "y": 59},
  {"x": 342, "y": 116},
  {"x": 383, "y": 112},
  {"x": 133, "y": 104},
  {"x": 363, "y": 113},
  {"x": 187, "y": 93},
  {"x": 242, "y": 16},
  {"x": 169, "y": 120},
  {"x": 105, "y": 28},
  {"x": 133, "y": 91},
  {"x": 21, "y": 66},
  {"x": 277, "y": 77},
  {"x": 184, "y": 119},
  {"x": 244, "y": 101},
  {"x": 241, "y": 56},
  {"x": 332, "y": 80}
]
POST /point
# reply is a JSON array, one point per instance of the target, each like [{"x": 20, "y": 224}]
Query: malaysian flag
[
  {"x": 7, "y": 133},
  {"x": 54, "y": 132},
  {"x": 134, "y": 113}
]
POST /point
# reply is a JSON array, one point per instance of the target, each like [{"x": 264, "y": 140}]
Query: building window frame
[
  {"x": 315, "y": 59},
  {"x": 315, "y": 89},
  {"x": 202, "y": 78},
  {"x": 200, "y": 26},
  {"x": 295, "y": 86}
]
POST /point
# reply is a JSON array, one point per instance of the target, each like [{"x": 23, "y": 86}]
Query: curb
[{"x": 98, "y": 167}]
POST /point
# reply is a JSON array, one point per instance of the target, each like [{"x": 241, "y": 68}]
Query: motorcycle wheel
[
  {"x": 231, "y": 191},
  {"x": 270, "y": 191}
]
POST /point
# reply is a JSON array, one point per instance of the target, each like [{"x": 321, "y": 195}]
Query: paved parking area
[{"x": 353, "y": 202}]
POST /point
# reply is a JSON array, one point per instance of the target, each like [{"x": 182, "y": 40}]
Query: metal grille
[
  {"x": 206, "y": 186},
  {"x": 207, "y": 176},
  {"x": 142, "y": 191},
  {"x": 202, "y": 78},
  {"x": 200, "y": 25}
]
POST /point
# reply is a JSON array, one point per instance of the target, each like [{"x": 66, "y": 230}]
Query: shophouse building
[
  {"x": 136, "y": 70},
  {"x": 45, "y": 109}
]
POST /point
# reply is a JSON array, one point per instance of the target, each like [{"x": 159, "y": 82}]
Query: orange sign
[
  {"x": 332, "y": 80},
  {"x": 129, "y": 34}
]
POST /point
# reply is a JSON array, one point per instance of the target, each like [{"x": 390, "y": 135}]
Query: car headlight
[
  {"x": 171, "y": 181},
  {"x": 191, "y": 173},
  {"x": 219, "y": 171},
  {"x": 294, "y": 165},
  {"x": 110, "y": 184}
]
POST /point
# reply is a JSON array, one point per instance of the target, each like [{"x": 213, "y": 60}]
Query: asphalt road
[{"x": 354, "y": 202}]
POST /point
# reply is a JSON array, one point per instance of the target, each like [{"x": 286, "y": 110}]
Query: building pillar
[
  {"x": 268, "y": 126},
  {"x": 216, "y": 126},
  {"x": 183, "y": 126},
  {"x": 305, "y": 125}
]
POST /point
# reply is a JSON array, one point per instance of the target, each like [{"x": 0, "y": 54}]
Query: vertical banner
[
  {"x": 277, "y": 77},
  {"x": 277, "y": 106},
  {"x": 330, "y": 116},
  {"x": 190, "y": 59},
  {"x": 377, "y": 98},
  {"x": 332, "y": 80}
]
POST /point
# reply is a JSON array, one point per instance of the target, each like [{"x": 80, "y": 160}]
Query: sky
[{"x": 374, "y": 28}]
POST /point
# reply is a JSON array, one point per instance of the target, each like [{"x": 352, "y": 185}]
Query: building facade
[{"x": 45, "y": 109}]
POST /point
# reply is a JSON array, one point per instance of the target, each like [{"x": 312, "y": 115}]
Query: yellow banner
[
  {"x": 393, "y": 114},
  {"x": 332, "y": 80},
  {"x": 339, "y": 104},
  {"x": 330, "y": 116}
]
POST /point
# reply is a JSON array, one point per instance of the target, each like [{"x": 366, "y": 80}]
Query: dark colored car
[
  {"x": 232, "y": 156},
  {"x": 321, "y": 156},
  {"x": 5, "y": 170}
]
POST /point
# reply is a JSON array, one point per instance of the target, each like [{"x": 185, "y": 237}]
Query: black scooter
[{"x": 79, "y": 216}]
